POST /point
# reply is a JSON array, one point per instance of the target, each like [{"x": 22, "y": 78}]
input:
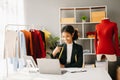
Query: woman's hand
[
  {"x": 56, "y": 50},
  {"x": 62, "y": 66}
]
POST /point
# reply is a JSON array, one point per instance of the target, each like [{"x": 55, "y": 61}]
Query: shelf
[
  {"x": 66, "y": 8},
  {"x": 89, "y": 53},
  {"x": 85, "y": 38},
  {"x": 99, "y": 7},
  {"x": 83, "y": 27},
  {"x": 82, "y": 38},
  {"x": 90, "y": 22},
  {"x": 82, "y": 8},
  {"x": 81, "y": 23}
]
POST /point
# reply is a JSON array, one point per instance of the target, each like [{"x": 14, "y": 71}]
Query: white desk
[{"x": 91, "y": 74}]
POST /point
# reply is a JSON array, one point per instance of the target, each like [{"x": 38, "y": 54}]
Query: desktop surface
[{"x": 72, "y": 73}]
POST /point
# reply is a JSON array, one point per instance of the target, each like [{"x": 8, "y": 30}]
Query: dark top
[
  {"x": 43, "y": 38},
  {"x": 76, "y": 58}
]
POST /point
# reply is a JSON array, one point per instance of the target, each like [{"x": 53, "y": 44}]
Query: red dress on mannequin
[{"x": 106, "y": 39}]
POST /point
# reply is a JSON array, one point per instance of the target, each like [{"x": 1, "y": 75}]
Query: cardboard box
[
  {"x": 102, "y": 65},
  {"x": 118, "y": 73},
  {"x": 67, "y": 20},
  {"x": 97, "y": 16}
]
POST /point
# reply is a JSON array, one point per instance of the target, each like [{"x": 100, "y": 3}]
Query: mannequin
[{"x": 106, "y": 40}]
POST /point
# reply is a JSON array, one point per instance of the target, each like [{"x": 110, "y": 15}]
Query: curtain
[{"x": 11, "y": 12}]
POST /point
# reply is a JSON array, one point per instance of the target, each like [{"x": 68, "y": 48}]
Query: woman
[{"x": 69, "y": 53}]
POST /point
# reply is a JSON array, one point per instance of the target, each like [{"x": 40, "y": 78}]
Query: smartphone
[{"x": 60, "y": 45}]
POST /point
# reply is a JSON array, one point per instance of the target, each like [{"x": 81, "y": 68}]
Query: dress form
[
  {"x": 106, "y": 40},
  {"x": 108, "y": 57}
]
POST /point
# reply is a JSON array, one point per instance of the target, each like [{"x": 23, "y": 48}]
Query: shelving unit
[{"x": 72, "y": 16}]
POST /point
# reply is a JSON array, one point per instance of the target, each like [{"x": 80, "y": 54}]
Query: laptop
[{"x": 49, "y": 66}]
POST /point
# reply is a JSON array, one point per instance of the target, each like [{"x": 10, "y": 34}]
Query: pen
[{"x": 79, "y": 71}]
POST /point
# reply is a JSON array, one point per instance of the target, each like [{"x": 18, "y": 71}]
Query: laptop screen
[{"x": 49, "y": 66}]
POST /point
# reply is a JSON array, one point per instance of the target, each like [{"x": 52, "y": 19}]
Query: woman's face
[{"x": 67, "y": 37}]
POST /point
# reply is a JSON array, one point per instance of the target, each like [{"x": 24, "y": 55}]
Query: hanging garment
[
  {"x": 106, "y": 39},
  {"x": 11, "y": 50},
  {"x": 28, "y": 40},
  {"x": 47, "y": 34},
  {"x": 42, "y": 47},
  {"x": 38, "y": 46},
  {"x": 22, "y": 50},
  {"x": 22, "y": 44},
  {"x": 35, "y": 43},
  {"x": 11, "y": 39},
  {"x": 43, "y": 38}
]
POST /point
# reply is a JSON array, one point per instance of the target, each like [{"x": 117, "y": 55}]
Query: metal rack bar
[{"x": 16, "y": 25}]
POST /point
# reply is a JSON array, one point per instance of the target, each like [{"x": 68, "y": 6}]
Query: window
[{"x": 11, "y": 12}]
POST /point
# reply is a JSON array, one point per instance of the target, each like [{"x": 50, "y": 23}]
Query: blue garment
[
  {"x": 22, "y": 44},
  {"x": 22, "y": 49},
  {"x": 18, "y": 60}
]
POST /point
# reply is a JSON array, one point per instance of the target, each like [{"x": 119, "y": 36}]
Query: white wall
[{"x": 46, "y": 12}]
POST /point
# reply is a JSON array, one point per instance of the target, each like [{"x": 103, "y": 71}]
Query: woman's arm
[{"x": 55, "y": 53}]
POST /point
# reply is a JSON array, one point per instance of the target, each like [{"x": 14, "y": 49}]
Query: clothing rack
[
  {"x": 4, "y": 51},
  {"x": 16, "y": 25},
  {"x": 28, "y": 26}
]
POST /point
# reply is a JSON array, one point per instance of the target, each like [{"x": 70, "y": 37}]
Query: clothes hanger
[{"x": 18, "y": 26}]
